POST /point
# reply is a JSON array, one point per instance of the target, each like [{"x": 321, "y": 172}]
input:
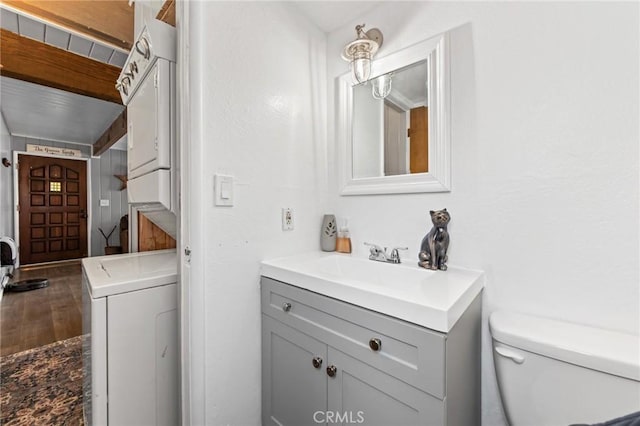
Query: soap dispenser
[{"x": 343, "y": 242}]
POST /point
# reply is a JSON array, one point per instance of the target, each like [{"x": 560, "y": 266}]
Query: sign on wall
[{"x": 42, "y": 149}]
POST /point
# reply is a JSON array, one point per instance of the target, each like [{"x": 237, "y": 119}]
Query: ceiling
[
  {"x": 45, "y": 113},
  {"x": 409, "y": 86},
  {"x": 42, "y": 112},
  {"x": 331, "y": 15},
  {"x": 62, "y": 38}
]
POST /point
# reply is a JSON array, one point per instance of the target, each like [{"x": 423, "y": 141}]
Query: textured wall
[
  {"x": 257, "y": 113},
  {"x": 544, "y": 157}
]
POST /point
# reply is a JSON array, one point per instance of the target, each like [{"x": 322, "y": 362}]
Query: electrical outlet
[{"x": 287, "y": 219}]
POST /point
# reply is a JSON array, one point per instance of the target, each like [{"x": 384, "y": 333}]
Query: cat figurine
[{"x": 433, "y": 250}]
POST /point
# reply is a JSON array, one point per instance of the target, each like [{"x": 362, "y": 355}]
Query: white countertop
[
  {"x": 111, "y": 275},
  {"x": 433, "y": 299}
]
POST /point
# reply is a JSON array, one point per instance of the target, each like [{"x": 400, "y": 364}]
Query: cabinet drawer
[{"x": 411, "y": 353}]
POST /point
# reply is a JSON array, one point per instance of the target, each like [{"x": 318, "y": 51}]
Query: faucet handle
[
  {"x": 375, "y": 251},
  {"x": 374, "y": 247},
  {"x": 395, "y": 256}
]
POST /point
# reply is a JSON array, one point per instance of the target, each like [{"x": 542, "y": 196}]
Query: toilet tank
[{"x": 557, "y": 373}]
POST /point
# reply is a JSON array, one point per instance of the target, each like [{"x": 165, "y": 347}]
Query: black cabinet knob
[
  {"x": 317, "y": 362},
  {"x": 375, "y": 344},
  {"x": 331, "y": 370}
]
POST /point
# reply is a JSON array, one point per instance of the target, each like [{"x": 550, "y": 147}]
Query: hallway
[{"x": 36, "y": 318}]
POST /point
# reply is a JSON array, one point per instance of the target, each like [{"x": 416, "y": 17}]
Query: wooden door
[
  {"x": 419, "y": 140},
  {"x": 52, "y": 209}
]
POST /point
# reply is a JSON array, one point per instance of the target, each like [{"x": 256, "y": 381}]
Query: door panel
[
  {"x": 293, "y": 389},
  {"x": 359, "y": 393},
  {"x": 53, "y": 209},
  {"x": 149, "y": 123}
]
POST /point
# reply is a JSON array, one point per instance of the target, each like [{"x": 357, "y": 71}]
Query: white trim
[
  {"x": 133, "y": 228},
  {"x": 16, "y": 196},
  {"x": 191, "y": 389},
  {"x": 436, "y": 51},
  {"x": 21, "y": 135}
]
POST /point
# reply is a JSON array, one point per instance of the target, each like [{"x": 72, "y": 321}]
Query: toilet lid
[{"x": 603, "y": 350}]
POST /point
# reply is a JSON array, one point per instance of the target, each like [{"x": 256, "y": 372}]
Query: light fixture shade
[
  {"x": 381, "y": 86},
  {"x": 360, "y": 70},
  {"x": 360, "y": 51}
]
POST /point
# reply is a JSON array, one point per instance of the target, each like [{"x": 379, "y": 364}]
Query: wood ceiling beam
[
  {"x": 112, "y": 135},
  {"x": 109, "y": 21},
  {"x": 25, "y": 59}
]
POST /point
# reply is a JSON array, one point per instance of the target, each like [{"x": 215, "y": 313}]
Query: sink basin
[{"x": 433, "y": 299}]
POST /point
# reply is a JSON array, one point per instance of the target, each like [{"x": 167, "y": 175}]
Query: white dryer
[{"x": 131, "y": 346}]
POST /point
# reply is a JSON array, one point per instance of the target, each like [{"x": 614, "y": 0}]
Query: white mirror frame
[{"x": 438, "y": 179}]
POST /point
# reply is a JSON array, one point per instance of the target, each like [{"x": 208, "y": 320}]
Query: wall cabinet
[{"x": 329, "y": 362}]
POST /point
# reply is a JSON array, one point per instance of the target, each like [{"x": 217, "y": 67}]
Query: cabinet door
[
  {"x": 150, "y": 123},
  {"x": 293, "y": 390},
  {"x": 359, "y": 393},
  {"x": 143, "y": 352}
]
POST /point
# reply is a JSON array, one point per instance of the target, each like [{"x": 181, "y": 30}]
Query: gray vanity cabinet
[{"x": 325, "y": 361}]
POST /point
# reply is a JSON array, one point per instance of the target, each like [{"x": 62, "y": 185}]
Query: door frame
[{"x": 16, "y": 196}]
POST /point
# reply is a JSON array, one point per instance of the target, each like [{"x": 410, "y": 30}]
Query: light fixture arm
[{"x": 373, "y": 34}]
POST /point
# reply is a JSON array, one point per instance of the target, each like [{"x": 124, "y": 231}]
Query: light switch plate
[
  {"x": 104, "y": 203},
  {"x": 223, "y": 190}
]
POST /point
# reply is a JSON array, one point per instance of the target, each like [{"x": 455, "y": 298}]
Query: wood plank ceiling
[
  {"x": 40, "y": 112},
  {"x": 108, "y": 21},
  {"x": 54, "y": 42},
  {"x": 68, "y": 49}
]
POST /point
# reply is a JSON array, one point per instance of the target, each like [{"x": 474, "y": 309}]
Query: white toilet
[{"x": 556, "y": 373}]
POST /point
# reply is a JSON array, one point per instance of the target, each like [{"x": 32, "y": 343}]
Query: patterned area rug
[{"x": 42, "y": 386}]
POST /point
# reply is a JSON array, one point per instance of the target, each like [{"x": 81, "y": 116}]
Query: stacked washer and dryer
[{"x": 130, "y": 321}]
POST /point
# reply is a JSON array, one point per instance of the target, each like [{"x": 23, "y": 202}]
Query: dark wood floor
[{"x": 35, "y": 318}]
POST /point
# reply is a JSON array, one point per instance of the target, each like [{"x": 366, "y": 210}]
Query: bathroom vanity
[{"x": 346, "y": 340}]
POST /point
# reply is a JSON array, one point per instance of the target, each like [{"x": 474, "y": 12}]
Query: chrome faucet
[{"x": 379, "y": 254}]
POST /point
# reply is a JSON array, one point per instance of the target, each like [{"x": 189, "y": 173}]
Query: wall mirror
[{"x": 393, "y": 130}]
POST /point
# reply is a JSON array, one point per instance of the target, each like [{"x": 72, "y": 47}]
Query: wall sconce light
[
  {"x": 360, "y": 51},
  {"x": 381, "y": 86}
]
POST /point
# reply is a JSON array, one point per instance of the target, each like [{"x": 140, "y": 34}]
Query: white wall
[
  {"x": 368, "y": 133},
  {"x": 545, "y": 157},
  {"x": 6, "y": 182},
  {"x": 105, "y": 186},
  {"x": 257, "y": 112}
]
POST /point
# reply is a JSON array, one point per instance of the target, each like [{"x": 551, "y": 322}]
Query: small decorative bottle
[
  {"x": 328, "y": 233},
  {"x": 343, "y": 243}
]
